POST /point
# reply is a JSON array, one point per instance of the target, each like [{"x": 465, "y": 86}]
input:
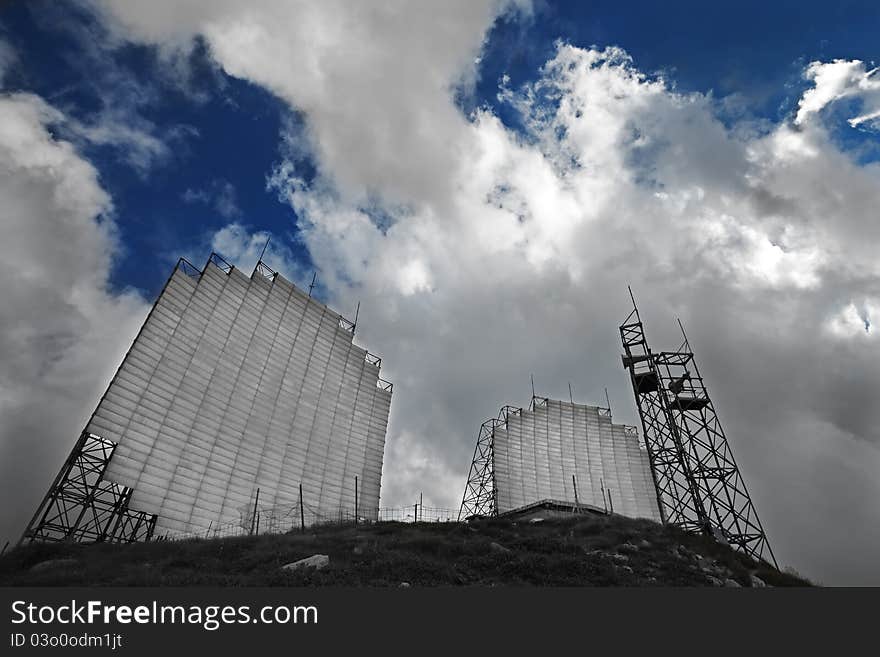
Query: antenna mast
[
  {"x": 265, "y": 246},
  {"x": 699, "y": 486}
]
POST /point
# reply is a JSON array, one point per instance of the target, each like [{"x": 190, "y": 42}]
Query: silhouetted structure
[{"x": 699, "y": 485}]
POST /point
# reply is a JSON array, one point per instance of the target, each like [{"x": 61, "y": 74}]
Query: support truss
[
  {"x": 82, "y": 506},
  {"x": 699, "y": 487},
  {"x": 480, "y": 495}
]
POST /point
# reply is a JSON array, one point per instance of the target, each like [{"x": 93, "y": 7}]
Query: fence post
[
  {"x": 421, "y": 508},
  {"x": 302, "y": 515},
  {"x": 254, "y": 514},
  {"x": 355, "y": 500}
]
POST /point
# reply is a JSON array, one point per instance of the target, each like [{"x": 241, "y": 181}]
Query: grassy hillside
[{"x": 581, "y": 551}]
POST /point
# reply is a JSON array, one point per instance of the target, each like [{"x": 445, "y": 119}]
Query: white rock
[
  {"x": 52, "y": 564},
  {"x": 316, "y": 561}
]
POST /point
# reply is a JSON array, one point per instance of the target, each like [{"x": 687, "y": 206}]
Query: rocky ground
[{"x": 583, "y": 550}]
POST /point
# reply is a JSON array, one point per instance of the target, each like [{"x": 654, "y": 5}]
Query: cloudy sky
[{"x": 485, "y": 177}]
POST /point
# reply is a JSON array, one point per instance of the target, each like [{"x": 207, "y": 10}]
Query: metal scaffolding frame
[
  {"x": 480, "y": 495},
  {"x": 82, "y": 506},
  {"x": 699, "y": 486}
]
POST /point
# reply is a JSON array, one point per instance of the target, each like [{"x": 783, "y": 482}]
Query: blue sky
[
  {"x": 229, "y": 132},
  {"x": 485, "y": 178},
  {"x": 754, "y": 49},
  {"x": 227, "y": 129}
]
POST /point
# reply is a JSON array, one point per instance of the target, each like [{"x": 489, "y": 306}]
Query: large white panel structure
[
  {"x": 548, "y": 450},
  {"x": 236, "y": 384}
]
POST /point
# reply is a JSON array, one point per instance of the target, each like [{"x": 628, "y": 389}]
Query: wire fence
[
  {"x": 258, "y": 519},
  {"x": 417, "y": 513}
]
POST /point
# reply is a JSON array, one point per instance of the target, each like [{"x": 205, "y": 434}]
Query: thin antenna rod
[
  {"x": 312, "y": 284},
  {"x": 687, "y": 344},
  {"x": 356, "y": 313},
  {"x": 635, "y": 307},
  {"x": 263, "y": 252},
  {"x": 683, "y": 334},
  {"x": 532, "y": 377},
  {"x": 608, "y": 401},
  {"x": 570, "y": 396}
]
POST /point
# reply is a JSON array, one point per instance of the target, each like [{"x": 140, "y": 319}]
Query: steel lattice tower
[
  {"x": 479, "y": 497},
  {"x": 82, "y": 506},
  {"x": 699, "y": 485}
]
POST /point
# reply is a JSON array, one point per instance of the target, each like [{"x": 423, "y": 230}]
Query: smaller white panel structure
[{"x": 572, "y": 453}]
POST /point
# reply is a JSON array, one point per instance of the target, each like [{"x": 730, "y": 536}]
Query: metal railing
[
  {"x": 188, "y": 268},
  {"x": 265, "y": 271},
  {"x": 220, "y": 262}
]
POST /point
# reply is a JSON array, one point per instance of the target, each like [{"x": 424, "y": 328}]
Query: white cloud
[
  {"x": 135, "y": 139},
  {"x": 855, "y": 321},
  {"x": 387, "y": 65},
  {"x": 241, "y": 246},
  {"x": 62, "y": 330},
  {"x": 220, "y": 195},
  {"x": 837, "y": 80},
  {"x": 481, "y": 255},
  {"x": 115, "y": 116}
]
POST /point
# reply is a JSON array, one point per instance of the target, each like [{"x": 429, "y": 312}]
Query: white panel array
[
  {"x": 540, "y": 450},
  {"x": 236, "y": 384}
]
